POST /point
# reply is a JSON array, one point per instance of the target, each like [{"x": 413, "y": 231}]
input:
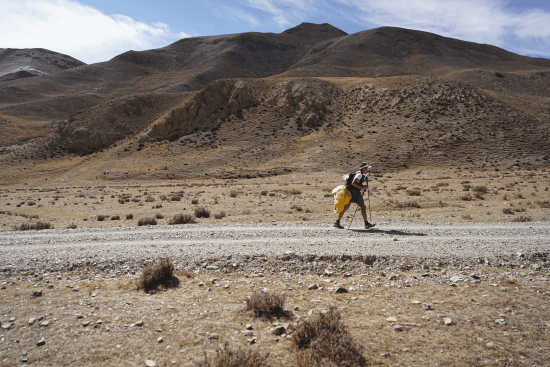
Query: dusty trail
[{"x": 193, "y": 243}]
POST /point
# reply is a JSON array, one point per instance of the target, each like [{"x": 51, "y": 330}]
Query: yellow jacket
[{"x": 342, "y": 196}]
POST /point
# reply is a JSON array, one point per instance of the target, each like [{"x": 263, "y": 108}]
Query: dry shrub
[
  {"x": 479, "y": 195},
  {"x": 298, "y": 208},
  {"x": 441, "y": 184},
  {"x": 264, "y": 192},
  {"x": 466, "y": 188},
  {"x": 163, "y": 197},
  {"x": 481, "y": 188},
  {"x": 161, "y": 273},
  {"x": 202, "y": 213},
  {"x": 271, "y": 194},
  {"x": 268, "y": 305},
  {"x": 522, "y": 218},
  {"x": 129, "y": 216},
  {"x": 543, "y": 203},
  {"x": 175, "y": 198},
  {"x": 159, "y": 216},
  {"x": 233, "y": 193},
  {"x": 407, "y": 204},
  {"x": 195, "y": 201},
  {"x": 309, "y": 210},
  {"x": 508, "y": 211},
  {"x": 101, "y": 218},
  {"x": 147, "y": 222},
  {"x": 220, "y": 215},
  {"x": 33, "y": 226},
  {"x": 295, "y": 192},
  {"x": 240, "y": 357},
  {"x": 182, "y": 219},
  {"x": 325, "y": 341},
  {"x": 467, "y": 217},
  {"x": 519, "y": 196},
  {"x": 72, "y": 226},
  {"x": 115, "y": 217},
  {"x": 414, "y": 192},
  {"x": 466, "y": 197},
  {"x": 149, "y": 199}
]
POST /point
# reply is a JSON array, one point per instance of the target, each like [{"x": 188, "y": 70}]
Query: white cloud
[
  {"x": 285, "y": 13},
  {"x": 482, "y": 21},
  {"x": 77, "y": 30}
]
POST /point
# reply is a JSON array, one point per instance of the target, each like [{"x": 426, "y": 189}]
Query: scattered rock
[
  {"x": 397, "y": 328},
  {"x": 248, "y": 327},
  {"x": 6, "y": 326},
  {"x": 139, "y": 323},
  {"x": 86, "y": 323},
  {"x": 313, "y": 286},
  {"x": 32, "y": 321},
  {"x": 160, "y": 340},
  {"x": 212, "y": 267},
  {"x": 427, "y": 306},
  {"x": 391, "y": 319},
  {"x": 37, "y": 294},
  {"x": 490, "y": 345},
  {"x": 252, "y": 340},
  {"x": 341, "y": 290},
  {"x": 328, "y": 272},
  {"x": 40, "y": 343},
  {"x": 279, "y": 330},
  {"x": 45, "y": 323},
  {"x": 150, "y": 363},
  {"x": 213, "y": 336},
  {"x": 447, "y": 321},
  {"x": 99, "y": 322},
  {"x": 500, "y": 321}
]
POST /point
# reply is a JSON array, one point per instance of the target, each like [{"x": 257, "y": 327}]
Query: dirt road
[{"x": 188, "y": 244}]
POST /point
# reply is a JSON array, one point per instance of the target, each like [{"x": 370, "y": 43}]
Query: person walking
[{"x": 355, "y": 183}]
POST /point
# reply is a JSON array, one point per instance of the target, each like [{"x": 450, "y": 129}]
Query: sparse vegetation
[
  {"x": 159, "y": 216},
  {"x": 543, "y": 203},
  {"x": 159, "y": 274},
  {"x": 175, "y": 198},
  {"x": 522, "y": 218},
  {"x": 241, "y": 357},
  {"x": 72, "y": 226},
  {"x": 33, "y": 226},
  {"x": 202, "y": 212},
  {"x": 263, "y": 193},
  {"x": 194, "y": 201},
  {"x": 220, "y": 215},
  {"x": 115, "y": 217},
  {"x": 233, "y": 193},
  {"x": 414, "y": 192},
  {"x": 182, "y": 219},
  {"x": 149, "y": 199},
  {"x": 480, "y": 188},
  {"x": 101, "y": 218},
  {"x": 129, "y": 216},
  {"x": 466, "y": 197},
  {"x": 147, "y": 222},
  {"x": 267, "y": 305},
  {"x": 508, "y": 211}
]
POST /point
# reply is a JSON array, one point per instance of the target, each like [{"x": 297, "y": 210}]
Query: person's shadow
[{"x": 392, "y": 232}]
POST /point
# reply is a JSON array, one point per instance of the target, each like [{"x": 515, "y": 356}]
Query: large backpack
[{"x": 349, "y": 179}]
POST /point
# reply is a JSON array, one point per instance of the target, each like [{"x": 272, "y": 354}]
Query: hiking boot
[
  {"x": 338, "y": 225},
  {"x": 369, "y": 225}
]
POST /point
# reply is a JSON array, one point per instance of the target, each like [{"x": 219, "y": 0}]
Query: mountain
[{"x": 309, "y": 98}]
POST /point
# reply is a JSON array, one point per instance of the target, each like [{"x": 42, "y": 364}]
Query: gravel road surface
[{"x": 119, "y": 247}]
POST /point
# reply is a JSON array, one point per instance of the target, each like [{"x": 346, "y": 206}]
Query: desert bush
[
  {"x": 508, "y": 211},
  {"x": 441, "y": 184},
  {"x": 175, "y": 198},
  {"x": 327, "y": 195},
  {"x": 240, "y": 357},
  {"x": 233, "y": 193},
  {"x": 162, "y": 197},
  {"x": 101, "y": 218},
  {"x": 159, "y": 216},
  {"x": 220, "y": 215},
  {"x": 267, "y": 305},
  {"x": 467, "y": 217},
  {"x": 522, "y": 218},
  {"x": 414, "y": 192},
  {"x": 182, "y": 219},
  {"x": 147, "y": 222},
  {"x": 135, "y": 200},
  {"x": 264, "y": 192},
  {"x": 194, "y": 201},
  {"x": 149, "y": 199},
  {"x": 407, "y": 204},
  {"x": 31, "y": 203},
  {"x": 464, "y": 182},
  {"x": 325, "y": 341},
  {"x": 543, "y": 203},
  {"x": 308, "y": 211},
  {"x": 72, "y": 226},
  {"x": 121, "y": 201},
  {"x": 481, "y": 188},
  {"x": 295, "y": 192},
  {"x": 202, "y": 213},
  {"x": 466, "y": 197},
  {"x": 466, "y": 188},
  {"x": 158, "y": 206},
  {"x": 479, "y": 195},
  {"x": 155, "y": 275},
  {"x": 298, "y": 208},
  {"x": 129, "y": 216},
  {"x": 519, "y": 195},
  {"x": 271, "y": 194},
  {"x": 33, "y": 226},
  {"x": 115, "y": 217}
]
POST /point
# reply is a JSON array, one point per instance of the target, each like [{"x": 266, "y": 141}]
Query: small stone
[
  {"x": 213, "y": 336},
  {"x": 447, "y": 321},
  {"x": 391, "y": 319},
  {"x": 160, "y": 340},
  {"x": 139, "y": 323},
  {"x": 45, "y": 323},
  {"x": 40, "y": 343},
  {"x": 341, "y": 290},
  {"x": 99, "y": 322},
  {"x": 24, "y": 353},
  {"x": 201, "y": 284},
  {"x": 32, "y": 321},
  {"x": 252, "y": 340},
  {"x": 93, "y": 294},
  {"x": 313, "y": 286},
  {"x": 500, "y": 321},
  {"x": 490, "y": 345},
  {"x": 279, "y": 330},
  {"x": 406, "y": 350},
  {"x": 247, "y": 333},
  {"x": 107, "y": 329},
  {"x": 80, "y": 317},
  {"x": 416, "y": 302},
  {"x": 248, "y": 327},
  {"x": 12, "y": 319},
  {"x": 427, "y": 306},
  {"x": 24, "y": 360},
  {"x": 86, "y": 323},
  {"x": 37, "y": 294},
  {"x": 212, "y": 267},
  {"x": 6, "y": 326},
  {"x": 150, "y": 363},
  {"x": 328, "y": 272},
  {"x": 397, "y": 328},
  {"x": 347, "y": 275}
]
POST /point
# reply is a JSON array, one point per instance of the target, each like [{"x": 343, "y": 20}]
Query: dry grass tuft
[
  {"x": 227, "y": 357},
  {"x": 115, "y": 217},
  {"x": 466, "y": 197},
  {"x": 202, "y": 213},
  {"x": 522, "y": 218},
  {"x": 33, "y": 226},
  {"x": 467, "y": 217},
  {"x": 129, "y": 216},
  {"x": 195, "y": 201},
  {"x": 268, "y": 305},
  {"x": 182, "y": 219},
  {"x": 544, "y": 203},
  {"x": 159, "y": 216},
  {"x": 407, "y": 204},
  {"x": 325, "y": 341},
  {"x": 233, "y": 193},
  {"x": 161, "y": 273},
  {"x": 508, "y": 211},
  {"x": 72, "y": 226},
  {"x": 101, "y": 218},
  {"x": 482, "y": 188},
  {"x": 414, "y": 192},
  {"x": 220, "y": 215},
  {"x": 147, "y": 222}
]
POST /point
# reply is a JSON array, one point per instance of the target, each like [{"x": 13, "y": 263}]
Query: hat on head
[{"x": 365, "y": 165}]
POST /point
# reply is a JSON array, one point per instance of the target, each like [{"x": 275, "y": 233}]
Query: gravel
[{"x": 247, "y": 245}]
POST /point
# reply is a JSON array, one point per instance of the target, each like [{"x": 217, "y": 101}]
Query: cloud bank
[{"x": 77, "y": 30}]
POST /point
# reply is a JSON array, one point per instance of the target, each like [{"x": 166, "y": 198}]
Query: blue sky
[{"x": 97, "y": 30}]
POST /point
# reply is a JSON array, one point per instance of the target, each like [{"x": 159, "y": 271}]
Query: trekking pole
[{"x": 368, "y": 198}]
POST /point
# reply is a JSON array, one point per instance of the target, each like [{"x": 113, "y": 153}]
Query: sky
[{"x": 98, "y": 30}]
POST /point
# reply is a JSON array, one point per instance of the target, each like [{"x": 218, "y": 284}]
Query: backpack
[{"x": 349, "y": 179}]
